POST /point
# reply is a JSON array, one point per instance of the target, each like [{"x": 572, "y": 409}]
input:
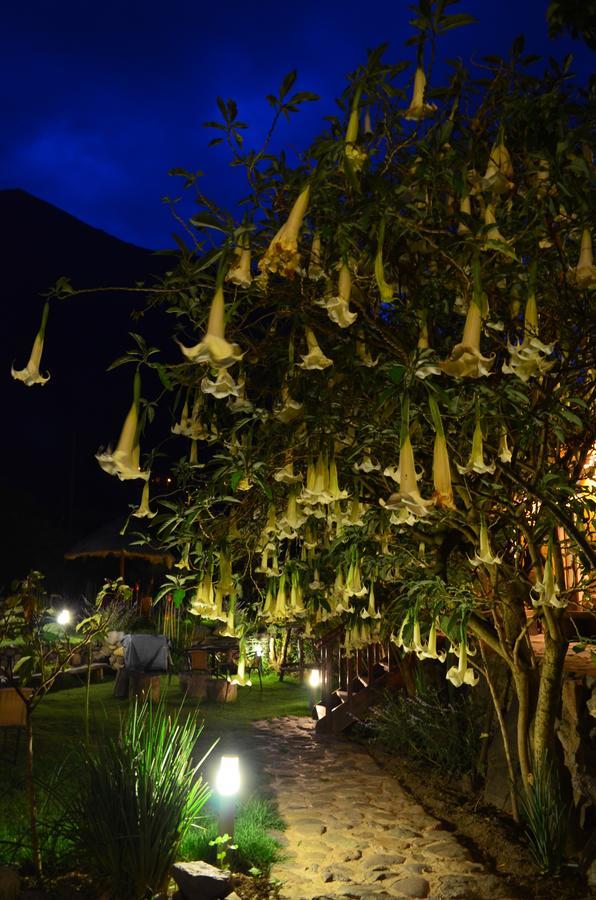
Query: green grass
[{"x": 59, "y": 728}]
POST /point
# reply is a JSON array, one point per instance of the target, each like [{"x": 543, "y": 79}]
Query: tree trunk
[
  {"x": 522, "y": 689},
  {"x": 549, "y": 697},
  {"x": 32, "y": 798}
]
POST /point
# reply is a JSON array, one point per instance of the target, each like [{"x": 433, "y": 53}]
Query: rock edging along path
[{"x": 352, "y": 830}]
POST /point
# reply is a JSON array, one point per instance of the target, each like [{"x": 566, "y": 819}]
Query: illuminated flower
[
  {"x": 124, "y": 461},
  {"x": 213, "y": 348},
  {"x": 443, "y": 494},
  {"x": 333, "y": 489},
  {"x": 282, "y": 254},
  {"x": 491, "y": 233},
  {"x": 355, "y": 155},
  {"x": 483, "y": 556},
  {"x": 239, "y": 271},
  {"x": 363, "y": 357},
  {"x": 290, "y": 409},
  {"x": 241, "y": 403},
  {"x": 476, "y": 459},
  {"x": 465, "y": 206},
  {"x": 31, "y": 375},
  {"x": 385, "y": 289},
  {"x": 316, "y": 489},
  {"x": 230, "y": 629},
  {"x": 223, "y": 386},
  {"x": 367, "y": 465},
  {"x": 292, "y": 519},
  {"x": 504, "y": 453},
  {"x": 392, "y": 472},
  {"x": 240, "y": 678},
  {"x": 296, "y": 596},
  {"x": 143, "y": 511},
  {"x": 338, "y": 307},
  {"x": 418, "y": 109},
  {"x": 315, "y": 358},
  {"x": 547, "y": 591},
  {"x": 286, "y": 474},
  {"x": 371, "y": 611},
  {"x": 499, "y": 171},
  {"x": 315, "y": 269},
  {"x": 424, "y": 364},
  {"x": 462, "y": 674},
  {"x": 528, "y": 358},
  {"x": 584, "y": 274},
  {"x": 408, "y": 502},
  {"x": 357, "y": 511},
  {"x": 354, "y": 586},
  {"x": 429, "y": 651},
  {"x": 466, "y": 360},
  {"x": 191, "y": 426},
  {"x": 368, "y": 129}
]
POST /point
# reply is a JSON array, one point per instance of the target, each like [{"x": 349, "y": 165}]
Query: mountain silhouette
[{"x": 51, "y": 488}]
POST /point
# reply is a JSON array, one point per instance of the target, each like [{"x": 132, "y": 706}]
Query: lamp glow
[
  {"x": 314, "y": 679},
  {"x": 227, "y": 780},
  {"x": 63, "y": 617},
  {"x": 258, "y": 648}
]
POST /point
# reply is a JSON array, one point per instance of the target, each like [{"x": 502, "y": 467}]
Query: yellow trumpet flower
[
  {"x": 282, "y": 254},
  {"x": 214, "y": 349},
  {"x": 31, "y": 375},
  {"x": 418, "y": 109}
]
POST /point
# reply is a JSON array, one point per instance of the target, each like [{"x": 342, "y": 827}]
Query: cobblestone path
[{"x": 352, "y": 831}]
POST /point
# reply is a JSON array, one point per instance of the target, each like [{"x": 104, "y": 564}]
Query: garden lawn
[{"x": 59, "y": 729}]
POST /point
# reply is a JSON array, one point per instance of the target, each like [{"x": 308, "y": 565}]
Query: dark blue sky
[{"x": 99, "y": 100}]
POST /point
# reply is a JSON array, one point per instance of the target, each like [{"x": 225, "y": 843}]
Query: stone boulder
[{"x": 200, "y": 881}]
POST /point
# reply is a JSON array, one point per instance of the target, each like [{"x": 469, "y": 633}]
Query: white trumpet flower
[
  {"x": 31, "y": 375},
  {"x": 418, "y": 109},
  {"x": 529, "y": 358},
  {"x": 466, "y": 360},
  {"x": 547, "y": 591},
  {"x": 214, "y": 349},
  {"x": 315, "y": 358},
  {"x": 584, "y": 274},
  {"x": 143, "y": 511},
  {"x": 223, "y": 386},
  {"x": 239, "y": 272},
  {"x": 484, "y": 556},
  {"x": 476, "y": 459},
  {"x": 338, "y": 307},
  {"x": 429, "y": 651},
  {"x": 499, "y": 171},
  {"x": 124, "y": 461},
  {"x": 462, "y": 674},
  {"x": 315, "y": 269}
]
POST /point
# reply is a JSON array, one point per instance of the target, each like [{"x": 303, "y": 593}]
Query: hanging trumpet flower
[
  {"x": 429, "y": 650},
  {"x": 476, "y": 459},
  {"x": 462, "y": 673},
  {"x": 584, "y": 274},
  {"x": 239, "y": 272},
  {"x": 31, "y": 375},
  {"x": 371, "y": 611},
  {"x": 124, "y": 461},
  {"x": 499, "y": 171},
  {"x": 492, "y": 234},
  {"x": 547, "y": 590},
  {"x": 286, "y": 474},
  {"x": 241, "y": 678},
  {"x": 315, "y": 358},
  {"x": 223, "y": 386},
  {"x": 282, "y": 254},
  {"x": 484, "y": 556},
  {"x": 315, "y": 269},
  {"x": 385, "y": 289},
  {"x": 338, "y": 307},
  {"x": 143, "y": 511},
  {"x": 355, "y": 156},
  {"x": 504, "y": 452},
  {"x": 418, "y": 109},
  {"x": 443, "y": 494},
  {"x": 408, "y": 503},
  {"x": 363, "y": 357},
  {"x": 466, "y": 360},
  {"x": 214, "y": 349},
  {"x": 289, "y": 409},
  {"x": 529, "y": 358}
]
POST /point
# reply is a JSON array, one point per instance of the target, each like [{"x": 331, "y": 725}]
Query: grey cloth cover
[{"x": 146, "y": 653}]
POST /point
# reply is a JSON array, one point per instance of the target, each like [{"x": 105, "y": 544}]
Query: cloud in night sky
[{"x": 99, "y": 100}]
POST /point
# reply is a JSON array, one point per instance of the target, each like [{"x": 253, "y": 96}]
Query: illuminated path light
[{"x": 227, "y": 785}]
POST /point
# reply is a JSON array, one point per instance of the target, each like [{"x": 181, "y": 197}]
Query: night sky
[{"x": 99, "y": 100}]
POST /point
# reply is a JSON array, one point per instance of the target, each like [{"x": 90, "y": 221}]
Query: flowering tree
[{"x": 383, "y": 422}]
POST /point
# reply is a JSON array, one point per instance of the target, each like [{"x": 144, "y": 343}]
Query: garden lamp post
[{"x": 227, "y": 785}]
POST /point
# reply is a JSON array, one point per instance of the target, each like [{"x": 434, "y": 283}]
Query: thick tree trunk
[
  {"x": 522, "y": 689},
  {"x": 549, "y": 697}
]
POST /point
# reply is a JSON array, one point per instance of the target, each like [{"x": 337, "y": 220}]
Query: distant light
[
  {"x": 64, "y": 617},
  {"x": 169, "y": 480},
  {"x": 227, "y": 780},
  {"x": 258, "y": 648},
  {"x": 314, "y": 679}
]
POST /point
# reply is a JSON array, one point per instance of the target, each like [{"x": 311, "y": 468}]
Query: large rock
[
  {"x": 200, "y": 881},
  {"x": 413, "y": 886},
  {"x": 10, "y": 883}
]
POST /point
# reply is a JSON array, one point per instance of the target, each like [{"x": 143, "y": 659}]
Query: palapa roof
[{"x": 108, "y": 541}]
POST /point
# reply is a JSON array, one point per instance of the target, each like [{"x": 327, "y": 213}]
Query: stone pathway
[{"x": 352, "y": 831}]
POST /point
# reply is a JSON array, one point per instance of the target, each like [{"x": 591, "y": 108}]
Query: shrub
[
  {"x": 137, "y": 798},
  {"x": 546, "y": 818},
  {"x": 443, "y": 733}
]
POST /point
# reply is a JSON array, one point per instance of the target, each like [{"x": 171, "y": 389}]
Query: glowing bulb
[
  {"x": 63, "y": 617},
  {"x": 227, "y": 780},
  {"x": 314, "y": 679},
  {"x": 258, "y": 650}
]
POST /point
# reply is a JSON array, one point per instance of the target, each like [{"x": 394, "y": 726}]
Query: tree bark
[
  {"x": 549, "y": 696},
  {"x": 32, "y": 798}
]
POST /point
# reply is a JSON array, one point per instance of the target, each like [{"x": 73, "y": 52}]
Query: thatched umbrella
[{"x": 108, "y": 541}]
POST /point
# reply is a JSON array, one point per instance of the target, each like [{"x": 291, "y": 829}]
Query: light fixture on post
[
  {"x": 314, "y": 678},
  {"x": 227, "y": 785}
]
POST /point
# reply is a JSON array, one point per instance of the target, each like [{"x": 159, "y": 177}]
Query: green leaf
[{"x": 235, "y": 480}]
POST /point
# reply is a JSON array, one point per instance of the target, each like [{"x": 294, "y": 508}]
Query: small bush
[
  {"x": 256, "y": 848},
  {"x": 137, "y": 797},
  {"x": 444, "y": 734}
]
